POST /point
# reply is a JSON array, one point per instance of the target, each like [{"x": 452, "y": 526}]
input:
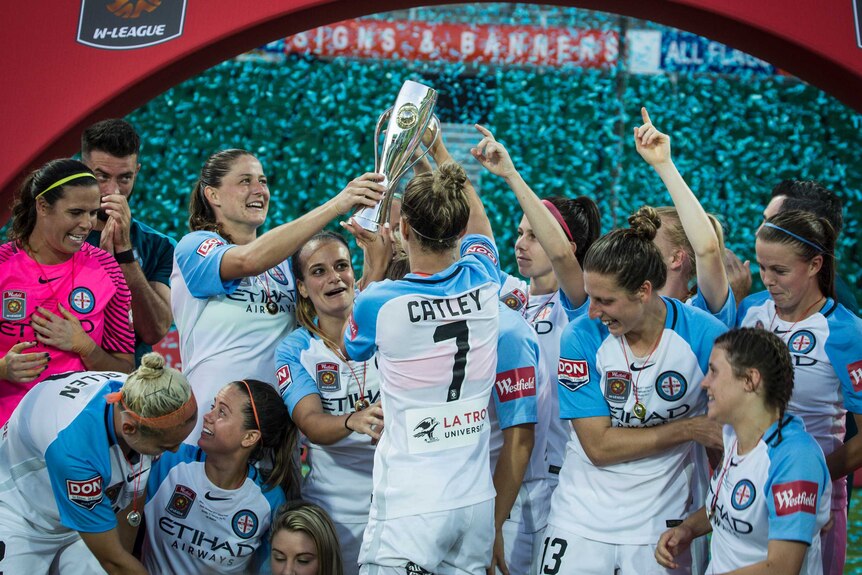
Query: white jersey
[
  {"x": 61, "y": 466},
  {"x": 226, "y": 332},
  {"x": 339, "y": 479},
  {"x": 630, "y": 503},
  {"x": 779, "y": 490},
  {"x": 436, "y": 340},
  {"x": 520, "y": 377},
  {"x": 195, "y": 527}
]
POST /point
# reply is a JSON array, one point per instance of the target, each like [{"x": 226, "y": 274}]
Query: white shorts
[
  {"x": 77, "y": 559},
  {"x": 564, "y": 553},
  {"x": 454, "y": 542},
  {"x": 28, "y": 549},
  {"x": 350, "y": 538},
  {"x": 522, "y": 557}
]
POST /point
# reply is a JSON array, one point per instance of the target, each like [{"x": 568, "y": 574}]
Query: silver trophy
[{"x": 407, "y": 121}]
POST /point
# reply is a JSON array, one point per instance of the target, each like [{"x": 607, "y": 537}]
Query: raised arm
[
  {"x": 282, "y": 242},
  {"x": 654, "y": 148},
  {"x": 561, "y": 252}
]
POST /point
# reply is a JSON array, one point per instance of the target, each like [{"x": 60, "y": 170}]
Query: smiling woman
[
  {"x": 232, "y": 292},
  {"x": 66, "y": 306}
]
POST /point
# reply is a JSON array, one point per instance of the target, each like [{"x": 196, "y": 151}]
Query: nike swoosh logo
[
  {"x": 781, "y": 331},
  {"x": 131, "y": 476},
  {"x": 641, "y": 368},
  {"x": 44, "y": 280},
  {"x": 211, "y": 498}
]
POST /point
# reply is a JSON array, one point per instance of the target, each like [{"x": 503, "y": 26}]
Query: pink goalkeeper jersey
[{"x": 90, "y": 285}]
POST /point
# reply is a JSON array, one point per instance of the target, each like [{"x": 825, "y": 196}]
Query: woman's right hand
[
  {"x": 671, "y": 543},
  {"x": 366, "y": 190},
  {"x": 368, "y": 421},
  {"x": 493, "y": 155},
  {"x": 19, "y": 367}
]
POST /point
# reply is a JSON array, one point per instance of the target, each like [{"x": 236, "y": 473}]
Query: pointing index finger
[
  {"x": 484, "y": 131},
  {"x": 645, "y": 115}
]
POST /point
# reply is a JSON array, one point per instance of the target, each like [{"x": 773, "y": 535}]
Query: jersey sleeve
[
  {"x": 797, "y": 482},
  {"x": 484, "y": 249},
  {"x": 573, "y": 312},
  {"x": 360, "y": 337},
  {"x": 727, "y": 313},
  {"x": 515, "y": 387},
  {"x": 844, "y": 349},
  {"x": 696, "y": 326},
  {"x": 578, "y": 378},
  {"x": 79, "y": 489},
  {"x": 119, "y": 335},
  {"x": 294, "y": 381},
  {"x": 199, "y": 256}
]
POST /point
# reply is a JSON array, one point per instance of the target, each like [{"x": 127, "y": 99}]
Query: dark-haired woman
[
  {"x": 629, "y": 377},
  {"x": 232, "y": 292},
  {"x": 435, "y": 335},
  {"x": 334, "y": 402},
  {"x": 208, "y": 508},
  {"x": 66, "y": 306},
  {"x": 690, "y": 240},
  {"x": 796, "y": 254},
  {"x": 770, "y": 497},
  {"x": 553, "y": 237}
]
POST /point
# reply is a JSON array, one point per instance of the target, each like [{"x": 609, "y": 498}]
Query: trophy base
[{"x": 368, "y": 224}]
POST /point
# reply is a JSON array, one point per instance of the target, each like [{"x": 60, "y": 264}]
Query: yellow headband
[{"x": 59, "y": 183}]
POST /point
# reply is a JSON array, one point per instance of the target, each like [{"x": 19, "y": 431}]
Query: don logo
[
  {"x": 130, "y": 24},
  {"x": 87, "y": 493},
  {"x": 573, "y": 374}
]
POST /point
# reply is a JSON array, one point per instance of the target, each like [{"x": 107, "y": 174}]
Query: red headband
[{"x": 559, "y": 217}]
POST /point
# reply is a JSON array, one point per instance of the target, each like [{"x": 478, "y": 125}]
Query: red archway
[{"x": 56, "y": 85}]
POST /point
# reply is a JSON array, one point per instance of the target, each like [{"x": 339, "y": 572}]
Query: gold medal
[
  {"x": 271, "y": 307},
  {"x": 639, "y": 410},
  {"x": 361, "y": 404},
  {"x": 134, "y": 518}
]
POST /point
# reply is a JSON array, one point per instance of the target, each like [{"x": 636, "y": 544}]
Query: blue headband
[{"x": 814, "y": 245}]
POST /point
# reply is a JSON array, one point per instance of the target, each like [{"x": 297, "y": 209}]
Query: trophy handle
[
  {"x": 436, "y": 122},
  {"x": 381, "y": 121}
]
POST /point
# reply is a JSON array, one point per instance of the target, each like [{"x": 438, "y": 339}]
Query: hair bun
[
  {"x": 152, "y": 365},
  {"x": 645, "y": 223},
  {"x": 451, "y": 177}
]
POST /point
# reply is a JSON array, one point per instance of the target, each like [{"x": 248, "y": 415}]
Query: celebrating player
[
  {"x": 87, "y": 439},
  {"x": 65, "y": 302},
  {"x": 629, "y": 379},
  {"x": 232, "y": 292},
  {"x": 435, "y": 335},
  {"x": 304, "y": 542},
  {"x": 334, "y": 401},
  {"x": 770, "y": 497},
  {"x": 208, "y": 509},
  {"x": 796, "y": 253}
]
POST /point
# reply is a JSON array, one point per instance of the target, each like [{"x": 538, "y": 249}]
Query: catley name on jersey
[{"x": 437, "y": 309}]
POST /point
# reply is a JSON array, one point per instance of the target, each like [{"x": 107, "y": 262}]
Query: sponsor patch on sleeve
[
  {"x": 516, "y": 300},
  {"x": 86, "y": 493},
  {"x": 795, "y": 497},
  {"x": 351, "y": 327},
  {"x": 516, "y": 383},
  {"x": 207, "y": 245},
  {"x": 482, "y": 250},
  {"x": 573, "y": 373},
  {"x": 854, "y": 370},
  {"x": 282, "y": 376}
]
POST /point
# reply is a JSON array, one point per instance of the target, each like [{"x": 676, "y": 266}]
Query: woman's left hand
[{"x": 63, "y": 332}]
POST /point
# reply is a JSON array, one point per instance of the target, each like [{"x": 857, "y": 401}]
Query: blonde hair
[
  {"x": 154, "y": 390},
  {"x": 672, "y": 223},
  {"x": 315, "y": 522}
]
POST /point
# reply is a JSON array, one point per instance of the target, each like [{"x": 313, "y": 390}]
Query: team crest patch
[
  {"x": 618, "y": 386},
  {"x": 743, "y": 495},
  {"x": 482, "y": 250},
  {"x": 515, "y": 299},
  {"x": 795, "y": 497},
  {"x": 244, "y": 524},
  {"x": 328, "y": 378},
  {"x": 207, "y": 245},
  {"x": 282, "y": 376},
  {"x": 573, "y": 373},
  {"x": 82, "y": 300},
  {"x": 671, "y": 386},
  {"x": 181, "y": 501},
  {"x": 87, "y": 493},
  {"x": 801, "y": 341},
  {"x": 854, "y": 370},
  {"x": 14, "y": 305},
  {"x": 278, "y": 275}
]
